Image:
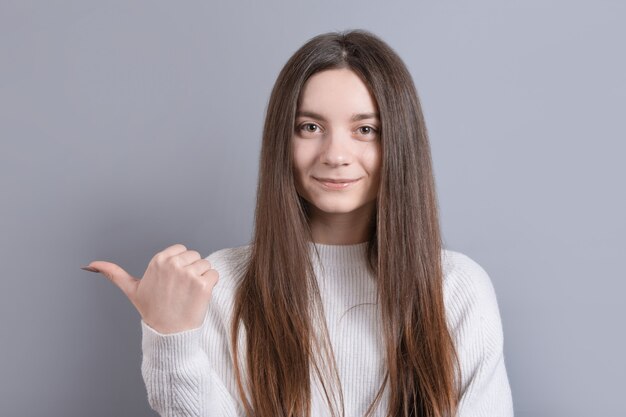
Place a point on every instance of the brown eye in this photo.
(368, 130)
(306, 127)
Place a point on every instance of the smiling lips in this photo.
(336, 183)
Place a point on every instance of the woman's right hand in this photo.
(175, 290)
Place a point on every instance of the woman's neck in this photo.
(341, 228)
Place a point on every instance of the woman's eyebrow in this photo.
(355, 117)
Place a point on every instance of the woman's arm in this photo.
(477, 329)
(179, 377)
(190, 373)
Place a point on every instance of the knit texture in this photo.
(191, 373)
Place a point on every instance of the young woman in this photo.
(344, 302)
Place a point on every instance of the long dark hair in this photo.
(278, 300)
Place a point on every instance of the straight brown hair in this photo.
(277, 300)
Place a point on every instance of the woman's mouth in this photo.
(336, 183)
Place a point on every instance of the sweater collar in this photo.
(337, 255)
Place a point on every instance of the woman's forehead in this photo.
(336, 93)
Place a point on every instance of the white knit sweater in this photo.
(191, 373)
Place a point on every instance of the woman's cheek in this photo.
(372, 157)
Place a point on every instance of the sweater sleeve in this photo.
(179, 369)
(478, 333)
(179, 378)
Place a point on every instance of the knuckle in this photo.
(175, 261)
(159, 258)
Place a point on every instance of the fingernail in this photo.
(89, 268)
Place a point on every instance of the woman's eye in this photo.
(307, 127)
(368, 129)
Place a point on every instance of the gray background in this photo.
(130, 126)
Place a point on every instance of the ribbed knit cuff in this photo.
(170, 351)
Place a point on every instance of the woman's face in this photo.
(336, 143)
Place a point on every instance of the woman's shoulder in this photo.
(230, 255)
(469, 293)
(460, 270)
(230, 263)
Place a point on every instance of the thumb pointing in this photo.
(126, 282)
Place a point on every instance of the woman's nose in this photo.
(336, 149)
